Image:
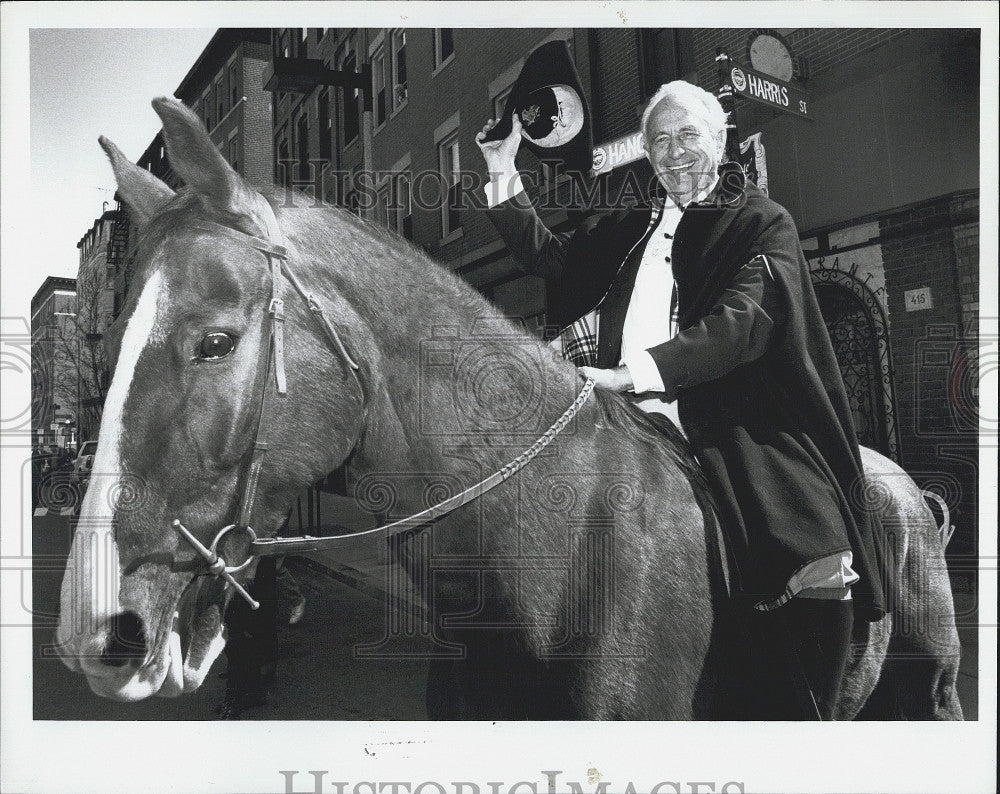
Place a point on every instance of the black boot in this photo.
(821, 633)
(796, 659)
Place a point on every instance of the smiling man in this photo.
(707, 315)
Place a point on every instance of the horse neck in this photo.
(450, 380)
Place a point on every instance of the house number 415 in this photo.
(918, 299)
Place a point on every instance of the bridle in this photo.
(271, 357)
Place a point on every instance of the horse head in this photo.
(138, 615)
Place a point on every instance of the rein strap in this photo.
(267, 547)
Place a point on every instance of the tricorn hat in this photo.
(552, 106)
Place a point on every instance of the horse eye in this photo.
(216, 345)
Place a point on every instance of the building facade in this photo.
(55, 356)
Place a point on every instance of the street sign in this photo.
(769, 91)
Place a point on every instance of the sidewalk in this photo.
(363, 564)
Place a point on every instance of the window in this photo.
(398, 69)
(325, 125)
(220, 99)
(403, 204)
(284, 170)
(284, 49)
(302, 50)
(444, 45)
(450, 170)
(378, 78)
(234, 153)
(382, 208)
(658, 59)
(351, 197)
(352, 117)
(302, 145)
(234, 85)
(500, 100)
(206, 107)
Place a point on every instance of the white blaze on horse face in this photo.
(91, 584)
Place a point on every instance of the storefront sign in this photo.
(627, 149)
(769, 91)
(916, 300)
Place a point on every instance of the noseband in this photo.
(271, 356)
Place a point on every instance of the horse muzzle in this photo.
(119, 663)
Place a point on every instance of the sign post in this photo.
(728, 102)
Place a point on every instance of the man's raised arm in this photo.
(537, 250)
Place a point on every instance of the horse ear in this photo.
(144, 193)
(194, 157)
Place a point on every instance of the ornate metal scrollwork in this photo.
(859, 332)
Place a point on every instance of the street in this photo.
(320, 676)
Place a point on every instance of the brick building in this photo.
(55, 349)
(95, 312)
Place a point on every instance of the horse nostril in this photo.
(126, 640)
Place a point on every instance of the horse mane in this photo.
(662, 433)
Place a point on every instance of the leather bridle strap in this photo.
(271, 355)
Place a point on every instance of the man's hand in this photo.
(617, 379)
(499, 155)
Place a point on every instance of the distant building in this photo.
(55, 356)
(225, 88)
(95, 312)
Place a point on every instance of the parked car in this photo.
(84, 461)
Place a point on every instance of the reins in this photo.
(271, 356)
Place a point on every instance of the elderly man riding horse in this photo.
(705, 301)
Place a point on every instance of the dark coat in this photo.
(759, 389)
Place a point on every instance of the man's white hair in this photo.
(694, 97)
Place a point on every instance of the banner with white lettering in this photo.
(620, 151)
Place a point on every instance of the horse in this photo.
(586, 583)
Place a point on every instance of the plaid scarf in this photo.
(578, 342)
